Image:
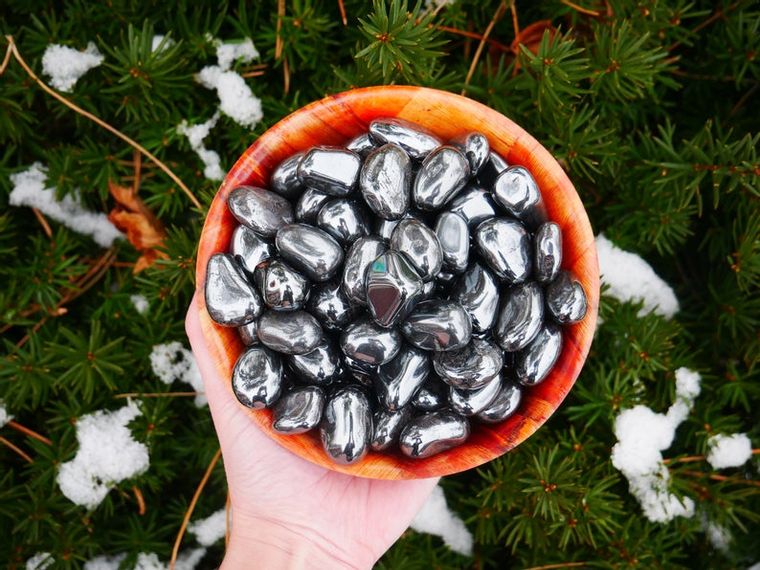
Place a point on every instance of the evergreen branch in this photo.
(13, 424)
(140, 500)
(719, 13)
(474, 63)
(77, 109)
(191, 507)
(693, 458)
(560, 564)
(10, 445)
(722, 478)
(43, 222)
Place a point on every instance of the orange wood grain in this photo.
(335, 120)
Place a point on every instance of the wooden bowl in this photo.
(334, 121)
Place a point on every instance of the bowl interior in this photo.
(335, 120)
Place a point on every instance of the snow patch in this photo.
(64, 65)
(29, 190)
(195, 135)
(630, 278)
(728, 450)
(107, 455)
(207, 531)
(155, 44)
(5, 417)
(140, 303)
(236, 100)
(172, 361)
(40, 561)
(642, 436)
(718, 535)
(436, 518)
(187, 560)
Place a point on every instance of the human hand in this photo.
(287, 512)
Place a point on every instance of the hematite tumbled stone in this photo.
(454, 238)
(420, 245)
(471, 402)
(438, 325)
(504, 405)
(476, 290)
(385, 181)
(505, 245)
(443, 174)
(299, 410)
(320, 366)
(566, 299)
(295, 332)
(257, 377)
(345, 220)
(330, 305)
(431, 396)
(311, 250)
(470, 367)
(369, 343)
(360, 256)
(230, 299)
(249, 249)
(520, 316)
(547, 245)
(285, 180)
(474, 204)
(387, 427)
(261, 210)
(397, 381)
(281, 286)
(393, 288)
(516, 191)
(535, 361)
(309, 205)
(334, 171)
(415, 140)
(433, 433)
(346, 427)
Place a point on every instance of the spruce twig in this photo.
(580, 9)
(558, 565)
(191, 507)
(43, 222)
(496, 17)
(140, 500)
(155, 394)
(342, 9)
(693, 458)
(13, 49)
(13, 424)
(719, 13)
(10, 445)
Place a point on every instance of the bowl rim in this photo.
(335, 119)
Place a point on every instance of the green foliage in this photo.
(650, 107)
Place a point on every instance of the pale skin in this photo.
(287, 512)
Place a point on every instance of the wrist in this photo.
(265, 543)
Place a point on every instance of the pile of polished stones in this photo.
(392, 291)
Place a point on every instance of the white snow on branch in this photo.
(228, 53)
(5, 417)
(718, 535)
(195, 135)
(107, 455)
(65, 65)
(172, 361)
(207, 531)
(186, 560)
(236, 100)
(29, 190)
(642, 436)
(436, 518)
(140, 303)
(40, 561)
(630, 278)
(157, 40)
(728, 450)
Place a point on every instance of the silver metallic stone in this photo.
(257, 377)
(504, 405)
(433, 433)
(520, 316)
(475, 147)
(311, 250)
(474, 204)
(443, 174)
(505, 245)
(387, 427)
(471, 402)
(516, 191)
(299, 410)
(345, 220)
(384, 228)
(420, 245)
(476, 290)
(320, 366)
(285, 180)
(369, 343)
(397, 381)
(248, 333)
(361, 145)
(393, 288)
(261, 210)
(470, 367)
(230, 299)
(332, 170)
(249, 249)
(309, 204)
(360, 256)
(491, 169)
(535, 361)
(281, 286)
(329, 304)
(432, 395)
(454, 238)
(547, 254)
(438, 325)
(295, 332)
(566, 299)
(346, 427)
(385, 181)
(360, 371)
(416, 141)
